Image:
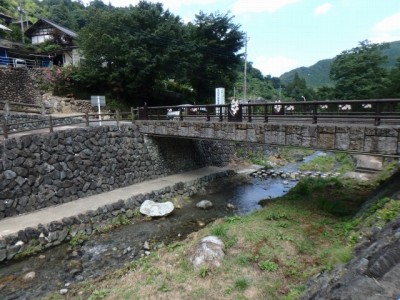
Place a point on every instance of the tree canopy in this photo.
(142, 49)
(358, 73)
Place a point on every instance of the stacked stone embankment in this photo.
(20, 85)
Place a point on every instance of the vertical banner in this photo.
(220, 98)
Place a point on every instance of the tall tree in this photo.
(298, 89)
(359, 73)
(393, 90)
(215, 41)
(129, 50)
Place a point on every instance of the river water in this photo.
(59, 267)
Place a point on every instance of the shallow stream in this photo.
(59, 267)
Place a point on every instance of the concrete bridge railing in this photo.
(382, 140)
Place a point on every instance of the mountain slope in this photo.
(317, 75)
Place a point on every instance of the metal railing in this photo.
(376, 111)
(17, 62)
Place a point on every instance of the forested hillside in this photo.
(317, 75)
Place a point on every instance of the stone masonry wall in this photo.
(43, 170)
(19, 85)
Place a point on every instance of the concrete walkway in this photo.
(44, 216)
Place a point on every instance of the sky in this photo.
(287, 34)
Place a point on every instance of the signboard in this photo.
(220, 96)
(98, 100)
(220, 99)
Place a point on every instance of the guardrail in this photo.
(17, 62)
(50, 122)
(376, 111)
(9, 107)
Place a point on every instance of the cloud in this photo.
(322, 9)
(275, 65)
(259, 6)
(387, 30)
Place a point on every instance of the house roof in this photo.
(2, 27)
(40, 22)
(6, 18)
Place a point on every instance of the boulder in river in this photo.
(156, 209)
(204, 204)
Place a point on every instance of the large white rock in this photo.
(209, 252)
(156, 209)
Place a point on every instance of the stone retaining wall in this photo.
(43, 170)
(19, 85)
(89, 222)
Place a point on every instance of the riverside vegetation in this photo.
(270, 254)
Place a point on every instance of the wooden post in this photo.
(146, 112)
(6, 109)
(87, 119)
(377, 113)
(314, 113)
(117, 117)
(249, 114)
(51, 123)
(266, 113)
(5, 132)
(132, 114)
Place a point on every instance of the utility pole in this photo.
(21, 11)
(245, 69)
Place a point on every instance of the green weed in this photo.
(78, 239)
(242, 284)
(268, 265)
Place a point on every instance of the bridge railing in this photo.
(370, 111)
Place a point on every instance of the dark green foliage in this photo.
(258, 86)
(393, 89)
(213, 41)
(298, 90)
(358, 73)
(315, 76)
(331, 195)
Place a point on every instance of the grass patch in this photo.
(324, 163)
(78, 239)
(32, 248)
